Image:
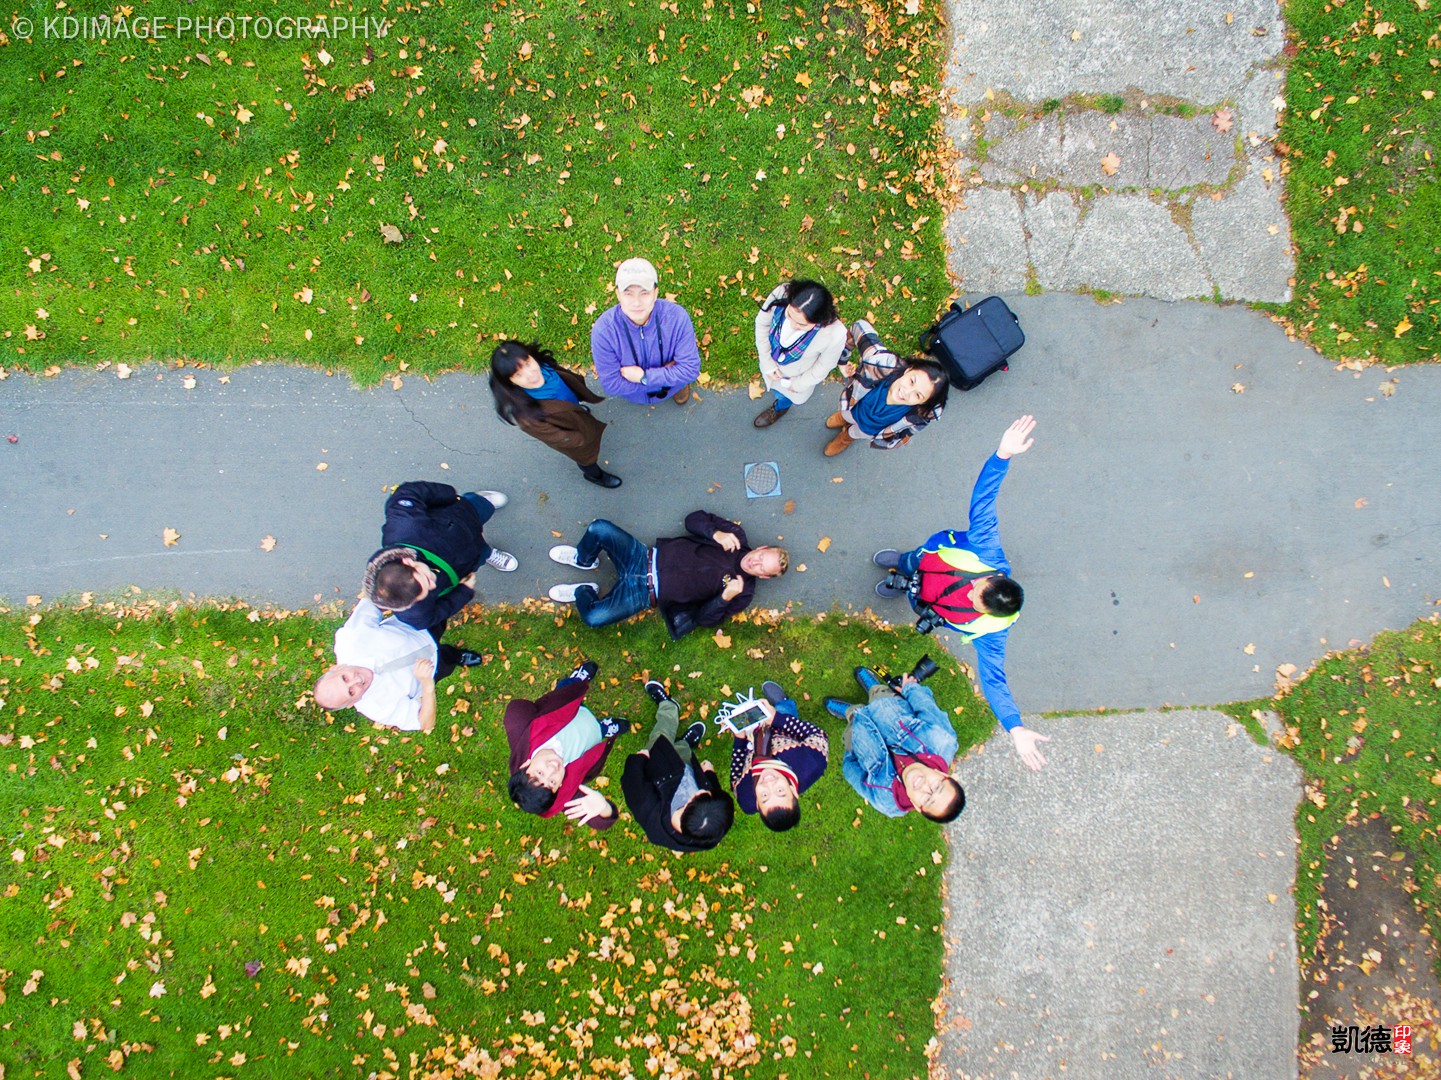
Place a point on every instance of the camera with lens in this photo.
(928, 619)
(924, 669)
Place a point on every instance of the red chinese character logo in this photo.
(1401, 1039)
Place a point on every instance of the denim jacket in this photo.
(910, 724)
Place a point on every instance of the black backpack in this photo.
(972, 343)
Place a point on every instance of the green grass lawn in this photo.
(1362, 132)
(1365, 726)
(175, 813)
(223, 200)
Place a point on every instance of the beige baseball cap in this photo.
(636, 272)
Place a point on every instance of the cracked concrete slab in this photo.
(1129, 244)
(1052, 48)
(1051, 222)
(1244, 240)
(1111, 918)
(988, 243)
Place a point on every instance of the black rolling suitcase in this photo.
(974, 342)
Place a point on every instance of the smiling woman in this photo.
(885, 398)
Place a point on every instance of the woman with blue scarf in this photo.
(800, 339)
(885, 398)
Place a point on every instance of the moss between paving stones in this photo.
(175, 811)
(222, 201)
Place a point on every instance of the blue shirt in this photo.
(554, 388)
(873, 414)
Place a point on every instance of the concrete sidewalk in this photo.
(1204, 502)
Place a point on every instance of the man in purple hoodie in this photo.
(644, 348)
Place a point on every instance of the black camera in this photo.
(928, 620)
(924, 669)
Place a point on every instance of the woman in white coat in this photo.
(800, 339)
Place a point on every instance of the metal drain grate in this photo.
(762, 480)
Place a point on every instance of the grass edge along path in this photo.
(1360, 133)
(204, 877)
(1365, 727)
(221, 202)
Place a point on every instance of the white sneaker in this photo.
(502, 560)
(495, 498)
(565, 594)
(565, 555)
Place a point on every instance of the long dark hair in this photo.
(511, 401)
(941, 384)
(811, 298)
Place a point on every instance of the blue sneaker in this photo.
(867, 678)
(836, 707)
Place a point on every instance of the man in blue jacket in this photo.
(962, 581)
(899, 748)
(644, 348)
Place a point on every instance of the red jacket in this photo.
(528, 724)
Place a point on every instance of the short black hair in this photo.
(707, 816)
(958, 803)
(530, 796)
(1002, 595)
(781, 818)
(395, 586)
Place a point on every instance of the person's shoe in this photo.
(501, 560)
(867, 678)
(835, 421)
(586, 671)
(888, 591)
(836, 707)
(769, 416)
(496, 499)
(694, 734)
(565, 555)
(773, 692)
(613, 727)
(682, 395)
(565, 594)
(655, 689)
(839, 443)
(470, 659)
(887, 558)
(605, 479)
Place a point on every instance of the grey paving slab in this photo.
(988, 242)
(1131, 245)
(1113, 917)
(1051, 223)
(1244, 239)
(1152, 492)
(1051, 48)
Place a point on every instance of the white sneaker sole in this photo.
(566, 556)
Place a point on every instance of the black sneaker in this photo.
(612, 727)
(470, 659)
(694, 734)
(586, 671)
(605, 479)
(892, 586)
(887, 558)
(656, 689)
(773, 692)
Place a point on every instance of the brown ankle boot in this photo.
(839, 443)
(835, 421)
(682, 395)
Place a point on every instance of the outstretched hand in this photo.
(1017, 439)
(1026, 742)
(587, 805)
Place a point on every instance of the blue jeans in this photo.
(782, 402)
(631, 593)
(486, 510)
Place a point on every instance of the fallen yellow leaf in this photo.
(825, 544)
(170, 536)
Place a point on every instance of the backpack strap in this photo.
(440, 564)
